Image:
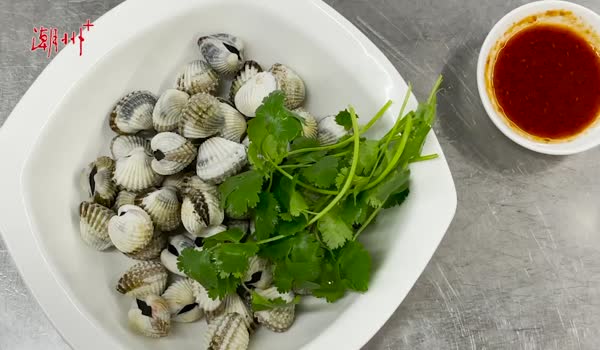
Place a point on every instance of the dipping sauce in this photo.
(546, 80)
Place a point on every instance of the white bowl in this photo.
(582, 142)
(61, 124)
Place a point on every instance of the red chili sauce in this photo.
(547, 81)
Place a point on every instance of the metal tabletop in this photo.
(520, 265)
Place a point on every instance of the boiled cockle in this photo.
(134, 171)
(151, 250)
(280, 318)
(93, 225)
(224, 52)
(123, 198)
(233, 303)
(310, 126)
(234, 123)
(194, 183)
(205, 302)
(204, 234)
(251, 95)
(199, 210)
(248, 70)
(97, 181)
(143, 279)
(172, 153)
(131, 230)
(201, 117)
(259, 274)
(196, 77)
(163, 207)
(219, 159)
(150, 316)
(182, 302)
(133, 113)
(290, 83)
(168, 110)
(330, 131)
(121, 145)
(242, 225)
(169, 256)
(227, 332)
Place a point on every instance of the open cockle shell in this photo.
(201, 117)
(150, 316)
(206, 303)
(169, 256)
(197, 77)
(290, 83)
(163, 207)
(121, 145)
(234, 123)
(259, 274)
(251, 95)
(182, 302)
(93, 225)
(278, 319)
(97, 182)
(219, 159)
(248, 70)
(330, 131)
(133, 113)
(134, 171)
(224, 52)
(199, 210)
(131, 230)
(151, 250)
(172, 153)
(168, 110)
(310, 126)
(142, 279)
(227, 332)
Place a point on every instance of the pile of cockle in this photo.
(168, 158)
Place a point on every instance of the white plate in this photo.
(61, 124)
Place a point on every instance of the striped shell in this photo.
(219, 159)
(234, 123)
(177, 181)
(234, 304)
(133, 113)
(172, 153)
(182, 302)
(290, 83)
(310, 126)
(227, 332)
(251, 95)
(163, 207)
(150, 316)
(330, 131)
(134, 171)
(205, 302)
(201, 117)
(278, 319)
(196, 77)
(224, 52)
(142, 279)
(200, 210)
(194, 183)
(168, 257)
(97, 182)
(123, 198)
(151, 250)
(205, 233)
(168, 110)
(248, 70)
(93, 225)
(131, 230)
(259, 274)
(121, 145)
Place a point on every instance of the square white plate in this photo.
(61, 124)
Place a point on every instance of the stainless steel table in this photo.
(520, 265)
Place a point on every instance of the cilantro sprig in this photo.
(310, 203)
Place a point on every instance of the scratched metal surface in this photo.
(520, 265)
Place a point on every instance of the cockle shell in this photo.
(177, 181)
(121, 145)
(310, 126)
(205, 233)
(219, 159)
(97, 181)
(196, 77)
(151, 250)
(163, 207)
(234, 123)
(199, 210)
(234, 304)
(172, 153)
(168, 110)
(224, 52)
(93, 225)
(201, 117)
(133, 113)
(142, 279)
(278, 319)
(251, 95)
(150, 316)
(134, 171)
(227, 332)
(123, 198)
(194, 183)
(169, 256)
(205, 302)
(248, 70)
(131, 230)
(290, 83)
(330, 131)
(182, 302)
(259, 274)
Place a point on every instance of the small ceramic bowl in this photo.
(549, 12)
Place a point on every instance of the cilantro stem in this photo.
(423, 158)
(268, 240)
(348, 183)
(369, 219)
(294, 166)
(310, 212)
(377, 116)
(300, 183)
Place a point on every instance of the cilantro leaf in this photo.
(395, 182)
(240, 192)
(265, 216)
(343, 118)
(367, 156)
(323, 172)
(332, 288)
(334, 230)
(355, 266)
(232, 258)
(200, 266)
(304, 142)
(290, 199)
(354, 210)
(260, 303)
(396, 199)
(341, 177)
(233, 235)
(288, 228)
